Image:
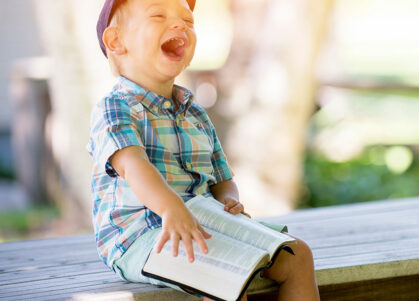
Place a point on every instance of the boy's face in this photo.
(159, 38)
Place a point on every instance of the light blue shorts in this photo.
(129, 266)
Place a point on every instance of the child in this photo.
(154, 149)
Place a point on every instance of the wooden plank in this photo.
(367, 224)
(160, 295)
(377, 270)
(335, 224)
(354, 224)
(349, 238)
(328, 259)
(349, 243)
(72, 270)
(334, 241)
(49, 285)
(361, 259)
(47, 253)
(10, 259)
(357, 209)
(47, 250)
(157, 294)
(362, 217)
(47, 242)
(93, 268)
(71, 289)
(390, 247)
(57, 256)
(389, 289)
(33, 265)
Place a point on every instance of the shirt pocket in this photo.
(202, 148)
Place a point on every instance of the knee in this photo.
(303, 254)
(287, 265)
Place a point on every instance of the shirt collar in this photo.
(156, 103)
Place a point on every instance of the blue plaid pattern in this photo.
(183, 146)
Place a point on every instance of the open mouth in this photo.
(174, 47)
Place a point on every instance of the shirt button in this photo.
(188, 165)
(167, 104)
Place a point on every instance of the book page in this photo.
(210, 213)
(222, 272)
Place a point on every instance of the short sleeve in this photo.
(222, 170)
(112, 128)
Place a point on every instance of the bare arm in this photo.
(150, 187)
(227, 193)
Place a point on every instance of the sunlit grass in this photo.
(365, 178)
(350, 121)
(19, 224)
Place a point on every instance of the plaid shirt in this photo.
(182, 145)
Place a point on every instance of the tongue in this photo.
(173, 48)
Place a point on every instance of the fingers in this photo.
(187, 243)
(187, 232)
(204, 233)
(229, 203)
(233, 206)
(247, 214)
(163, 239)
(197, 236)
(175, 243)
(199, 239)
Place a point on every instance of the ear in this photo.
(112, 40)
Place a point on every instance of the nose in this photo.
(179, 24)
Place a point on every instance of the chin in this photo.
(171, 71)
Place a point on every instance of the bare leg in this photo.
(295, 274)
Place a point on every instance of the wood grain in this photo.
(367, 251)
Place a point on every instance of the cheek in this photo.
(147, 40)
(192, 37)
(192, 41)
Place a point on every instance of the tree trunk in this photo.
(268, 90)
(79, 75)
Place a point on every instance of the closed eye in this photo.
(189, 21)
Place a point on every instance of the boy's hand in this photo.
(179, 224)
(226, 192)
(233, 206)
(133, 165)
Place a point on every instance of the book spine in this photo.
(196, 292)
(258, 270)
(187, 289)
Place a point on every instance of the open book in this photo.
(238, 249)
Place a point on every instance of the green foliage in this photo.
(363, 179)
(6, 173)
(18, 224)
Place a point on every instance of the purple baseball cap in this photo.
(106, 14)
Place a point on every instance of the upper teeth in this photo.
(181, 42)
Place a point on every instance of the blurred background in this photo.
(316, 103)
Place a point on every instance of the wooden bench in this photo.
(366, 251)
